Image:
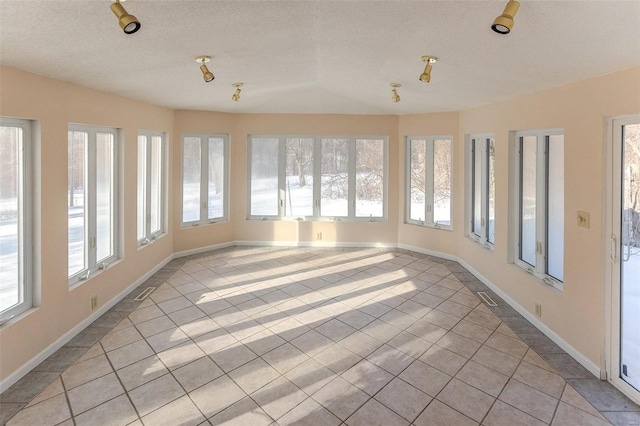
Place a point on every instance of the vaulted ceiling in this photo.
(320, 56)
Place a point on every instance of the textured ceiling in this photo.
(320, 56)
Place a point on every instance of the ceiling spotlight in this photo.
(236, 95)
(394, 93)
(426, 74)
(206, 74)
(504, 22)
(128, 23)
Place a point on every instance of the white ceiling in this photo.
(320, 56)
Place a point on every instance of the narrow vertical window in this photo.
(540, 204)
(92, 200)
(481, 195)
(151, 183)
(429, 172)
(334, 188)
(265, 196)
(205, 170)
(370, 178)
(299, 177)
(15, 205)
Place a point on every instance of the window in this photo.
(92, 200)
(308, 177)
(429, 181)
(205, 171)
(481, 189)
(15, 223)
(151, 186)
(539, 207)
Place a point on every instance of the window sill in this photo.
(544, 280)
(488, 246)
(438, 227)
(18, 317)
(93, 274)
(151, 242)
(320, 219)
(199, 224)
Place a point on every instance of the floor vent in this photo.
(486, 299)
(147, 291)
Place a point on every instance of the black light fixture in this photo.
(128, 23)
(504, 23)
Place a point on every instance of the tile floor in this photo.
(279, 336)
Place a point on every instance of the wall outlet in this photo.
(94, 303)
(319, 236)
(584, 219)
(538, 310)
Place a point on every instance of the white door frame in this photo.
(611, 252)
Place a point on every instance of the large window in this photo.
(151, 186)
(92, 199)
(429, 181)
(481, 189)
(205, 171)
(308, 177)
(15, 223)
(539, 204)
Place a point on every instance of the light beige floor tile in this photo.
(263, 342)
(155, 326)
(199, 327)
(117, 339)
(466, 399)
(335, 330)
(424, 377)
(254, 375)
(484, 319)
(118, 411)
(443, 359)
(483, 378)
(167, 339)
(232, 356)
(458, 344)
(410, 344)
(427, 331)
(215, 341)
(502, 414)
(472, 331)
(540, 379)
(380, 330)
(390, 359)
(289, 329)
(181, 412)
(217, 395)
(439, 414)
(129, 354)
(94, 393)
(399, 319)
(462, 298)
(142, 314)
(155, 394)
(278, 397)
(403, 399)
(310, 376)
(374, 413)
(243, 413)
(197, 373)
(514, 347)
(186, 315)
(570, 415)
(340, 397)
(504, 329)
(55, 388)
(180, 355)
(356, 318)
(496, 360)
(285, 357)
(529, 400)
(86, 371)
(367, 377)
(533, 358)
(309, 413)
(572, 397)
(360, 343)
(312, 343)
(141, 372)
(50, 412)
(337, 359)
(94, 351)
(454, 309)
(175, 304)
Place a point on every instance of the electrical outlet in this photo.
(94, 302)
(538, 310)
(319, 236)
(584, 219)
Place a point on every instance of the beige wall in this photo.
(576, 314)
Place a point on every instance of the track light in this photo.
(504, 22)
(128, 23)
(206, 74)
(236, 95)
(394, 93)
(426, 74)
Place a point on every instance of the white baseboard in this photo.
(35, 361)
(29, 365)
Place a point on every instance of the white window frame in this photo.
(317, 158)
(540, 269)
(479, 144)
(428, 220)
(90, 234)
(25, 230)
(150, 236)
(204, 179)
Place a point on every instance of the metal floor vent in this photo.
(486, 298)
(147, 291)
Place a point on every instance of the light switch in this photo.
(584, 219)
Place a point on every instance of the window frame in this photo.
(204, 179)
(90, 253)
(540, 270)
(25, 227)
(486, 139)
(428, 220)
(151, 236)
(317, 181)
